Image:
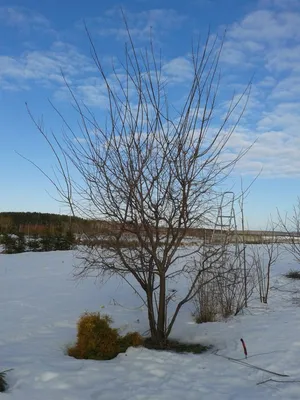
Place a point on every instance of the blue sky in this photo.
(41, 37)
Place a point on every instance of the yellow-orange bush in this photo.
(97, 340)
(131, 339)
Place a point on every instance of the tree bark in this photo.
(161, 318)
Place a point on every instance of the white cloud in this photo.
(157, 21)
(266, 26)
(232, 55)
(267, 42)
(45, 67)
(287, 89)
(266, 82)
(23, 18)
(281, 4)
(284, 59)
(80, 140)
(284, 117)
(277, 147)
(92, 95)
(93, 91)
(178, 70)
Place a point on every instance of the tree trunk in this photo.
(161, 318)
(151, 316)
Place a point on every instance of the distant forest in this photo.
(45, 224)
(35, 222)
(36, 218)
(41, 224)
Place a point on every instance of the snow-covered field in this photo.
(40, 303)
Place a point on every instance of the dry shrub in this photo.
(221, 288)
(131, 339)
(205, 302)
(97, 340)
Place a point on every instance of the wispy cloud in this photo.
(280, 4)
(267, 43)
(80, 140)
(141, 24)
(273, 155)
(44, 67)
(91, 91)
(23, 18)
(267, 26)
(178, 70)
(287, 59)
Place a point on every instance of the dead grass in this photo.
(176, 346)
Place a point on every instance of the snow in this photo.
(40, 303)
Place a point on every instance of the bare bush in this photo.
(263, 257)
(221, 288)
(233, 294)
(290, 225)
(205, 304)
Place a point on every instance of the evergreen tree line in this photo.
(20, 243)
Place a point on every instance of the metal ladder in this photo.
(226, 221)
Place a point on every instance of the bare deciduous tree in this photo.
(152, 171)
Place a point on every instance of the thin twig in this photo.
(275, 380)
